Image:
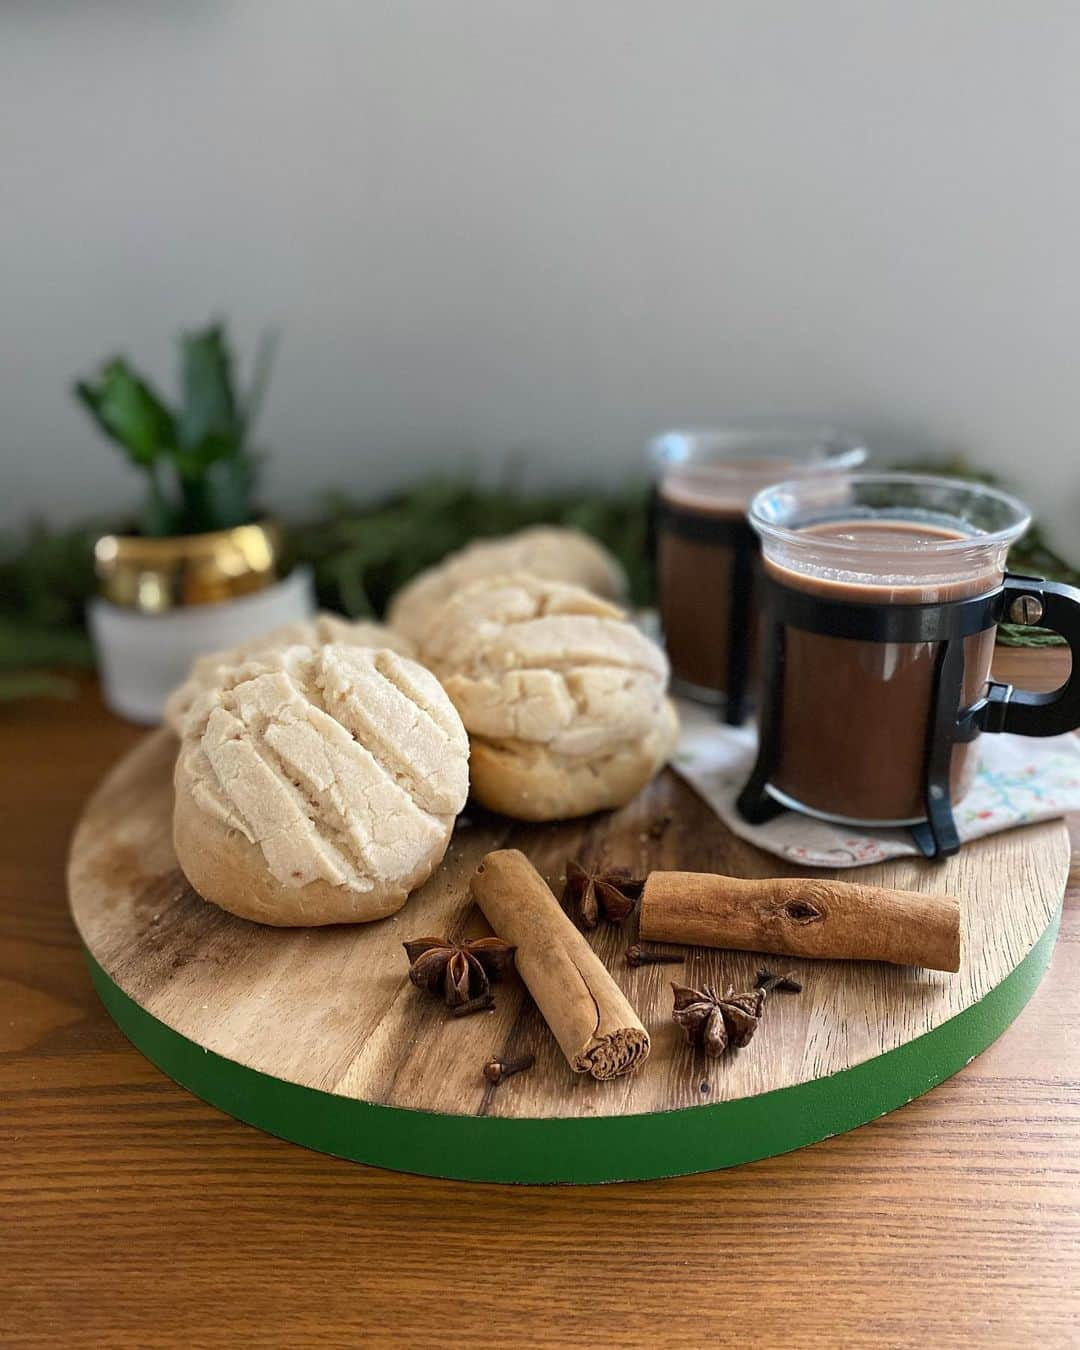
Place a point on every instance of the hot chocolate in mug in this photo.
(882, 594)
(706, 552)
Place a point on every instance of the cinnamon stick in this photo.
(802, 916)
(596, 1028)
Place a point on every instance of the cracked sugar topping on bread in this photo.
(314, 632)
(540, 661)
(564, 701)
(344, 765)
(548, 551)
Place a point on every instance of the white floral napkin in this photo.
(1019, 779)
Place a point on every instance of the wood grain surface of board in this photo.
(333, 1008)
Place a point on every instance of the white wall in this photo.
(549, 228)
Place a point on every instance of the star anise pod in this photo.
(460, 971)
(697, 1011)
(714, 1023)
(611, 894)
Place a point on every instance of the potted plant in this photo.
(201, 570)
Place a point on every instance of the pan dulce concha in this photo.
(564, 701)
(318, 785)
(323, 628)
(547, 551)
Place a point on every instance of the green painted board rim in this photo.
(590, 1149)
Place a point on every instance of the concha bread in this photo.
(318, 785)
(548, 551)
(313, 632)
(564, 701)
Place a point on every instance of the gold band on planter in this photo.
(154, 575)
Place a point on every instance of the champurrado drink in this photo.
(694, 576)
(855, 713)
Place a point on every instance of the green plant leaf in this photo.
(1019, 635)
(46, 576)
(25, 646)
(208, 425)
(219, 496)
(260, 379)
(162, 513)
(35, 684)
(192, 464)
(129, 411)
(190, 488)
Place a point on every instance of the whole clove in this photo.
(495, 1070)
(768, 981)
(637, 955)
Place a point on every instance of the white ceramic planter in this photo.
(143, 657)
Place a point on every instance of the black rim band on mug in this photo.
(1019, 599)
(733, 532)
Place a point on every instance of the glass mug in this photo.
(882, 596)
(706, 553)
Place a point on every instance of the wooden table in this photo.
(134, 1215)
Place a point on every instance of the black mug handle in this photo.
(1048, 604)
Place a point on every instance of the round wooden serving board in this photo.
(318, 1035)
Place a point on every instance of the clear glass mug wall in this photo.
(852, 717)
(706, 553)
